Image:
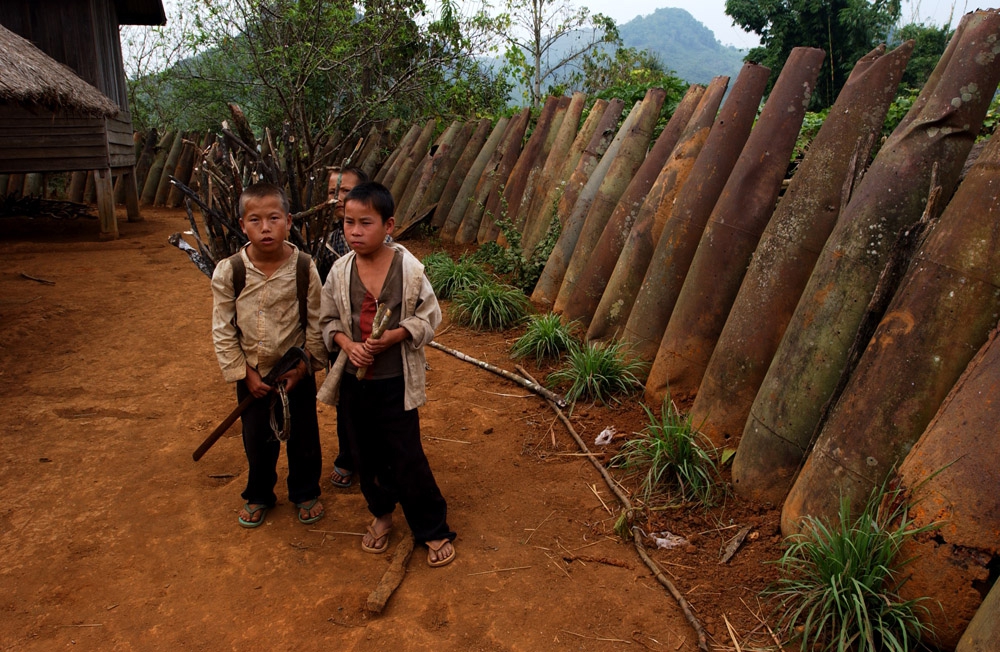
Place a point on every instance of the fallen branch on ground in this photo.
(524, 382)
(392, 578)
(636, 535)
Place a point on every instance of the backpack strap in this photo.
(302, 289)
(239, 274)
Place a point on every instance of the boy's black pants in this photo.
(305, 460)
(389, 457)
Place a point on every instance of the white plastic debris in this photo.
(668, 541)
(605, 437)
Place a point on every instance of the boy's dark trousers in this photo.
(389, 457)
(262, 447)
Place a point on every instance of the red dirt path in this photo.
(113, 539)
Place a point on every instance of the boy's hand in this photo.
(256, 384)
(358, 354)
(394, 336)
(292, 378)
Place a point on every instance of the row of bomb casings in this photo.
(748, 312)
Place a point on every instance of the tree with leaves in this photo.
(846, 29)
(325, 66)
(546, 39)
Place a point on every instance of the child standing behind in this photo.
(256, 318)
(378, 414)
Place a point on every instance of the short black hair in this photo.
(358, 172)
(376, 195)
(260, 190)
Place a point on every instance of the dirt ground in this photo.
(112, 538)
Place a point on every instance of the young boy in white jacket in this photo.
(378, 412)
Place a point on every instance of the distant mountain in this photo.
(684, 45)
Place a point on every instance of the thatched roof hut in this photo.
(63, 98)
(31, 78)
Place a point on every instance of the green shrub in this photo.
(490, 306)
(545, 337)
(448, 277)
(680, 460)
(598, 372)
(839, 584)
(510, 262)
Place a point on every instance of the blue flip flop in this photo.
(307, 507)
(252, 524)
(342, 484)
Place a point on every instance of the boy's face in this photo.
(347, 182)
(265, 223)
(364, 229)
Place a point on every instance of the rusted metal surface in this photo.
(467, 191)
(422, 174)
(791, 243)
(807, 365)
(939, 317)
(518, 200)
(412, 159)
(681, 232)
(469, 153)
(565, 135)
(590, 144)
(623, 284)
(731, 235)
(555, 267)
(494, 174)
(951, 476)
(600, 261)
(615, 182)
(517, 181)
(428, 189)
(983, 633)
(387, 174)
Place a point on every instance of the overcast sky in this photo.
(712, 14)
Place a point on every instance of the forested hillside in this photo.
(683, 44)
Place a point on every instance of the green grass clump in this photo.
(490, 306)
(839, 585)
(448, 277)
(680, 460)
(546, 337)
(599, 372)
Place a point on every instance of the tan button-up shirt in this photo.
(267, 313)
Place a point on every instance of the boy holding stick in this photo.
(377, 408)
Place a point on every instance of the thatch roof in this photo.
(29, 77)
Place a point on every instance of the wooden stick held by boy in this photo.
(379, 324)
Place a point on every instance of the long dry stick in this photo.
(524, 382)
(636, 535)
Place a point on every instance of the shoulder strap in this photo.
(302, 288)
(239, 274)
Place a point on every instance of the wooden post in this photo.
(105, 204)
(77, 183)
(131, 188)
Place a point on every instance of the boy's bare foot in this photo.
(376, 539)
(252, 515)
(440, 552)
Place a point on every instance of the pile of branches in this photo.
(13, 205)
(230, 164)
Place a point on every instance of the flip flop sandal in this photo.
(346, 475)
(260, 521)
(440, 562)
(379, 538)
(307, 507)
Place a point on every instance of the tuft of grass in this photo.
(490, 306)
(680, 460)
(599, 372)
(839, 582)
(448, 277)
(545, 337)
